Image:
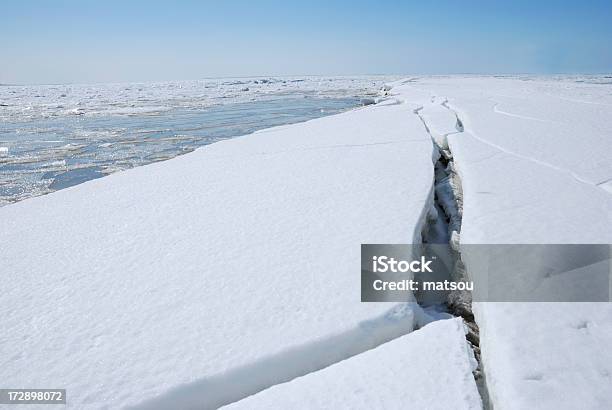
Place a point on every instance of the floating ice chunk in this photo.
(368, 101)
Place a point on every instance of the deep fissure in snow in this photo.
(240, 382)
(444, 227)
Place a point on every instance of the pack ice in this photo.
(532, 155)
(198, 281)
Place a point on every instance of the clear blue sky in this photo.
(84, 41)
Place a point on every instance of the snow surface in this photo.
(535, 168)
(430, 368)
(203, 279)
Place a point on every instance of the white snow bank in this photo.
(206, 278)
(533, 164)
(427, 369)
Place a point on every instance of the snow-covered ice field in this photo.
(204, 279)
